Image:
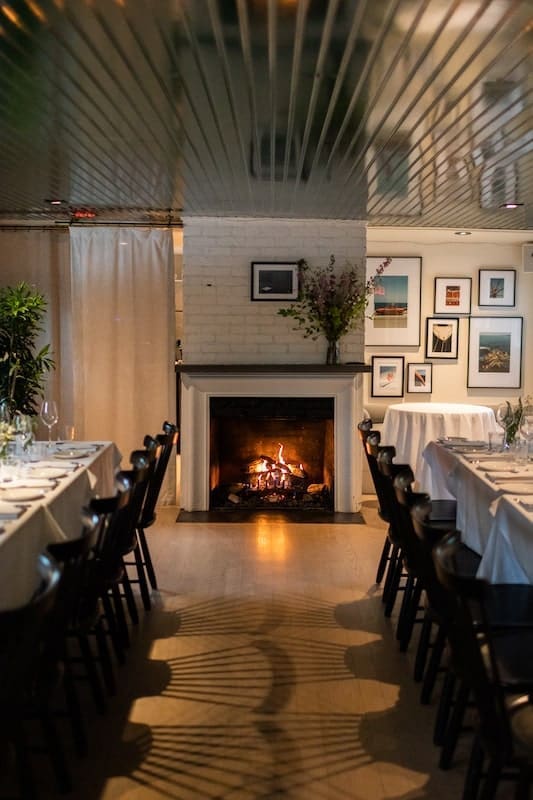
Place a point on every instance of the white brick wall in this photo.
(221, 325)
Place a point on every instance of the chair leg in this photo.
(150, 567)
(411, 611)
(391, 567)
(141, 575)
(492, 779)
(474, 770)
(394, 584)
(423, 647)
(455, 726)
(433, 666)
(113, 628)
(92, 673)
(105, 658)
(130, 599)
(444, 707)
(382, 565)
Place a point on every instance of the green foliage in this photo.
(331, 303)
(22, 369)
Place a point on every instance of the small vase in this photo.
(333, 352)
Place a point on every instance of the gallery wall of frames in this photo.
(449, 323)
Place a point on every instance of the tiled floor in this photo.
(266, 670)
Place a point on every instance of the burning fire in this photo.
(266, 473)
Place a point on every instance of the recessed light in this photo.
(463, 233)
(54, 202)
(511, 205)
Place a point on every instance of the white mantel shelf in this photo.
(325, 369)
(200, 382)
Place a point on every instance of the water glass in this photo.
(496, 441)
(519, 451)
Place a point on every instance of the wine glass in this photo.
(49, 416)
(23, 425)
(526, 426)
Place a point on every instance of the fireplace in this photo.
(271, 453)
(332, 415)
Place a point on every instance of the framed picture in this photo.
(453, 295)
(274, 281)
(495, 352)
(420, 378)
(497, 287)
(387, 376)
(393, 313)
(442, 335)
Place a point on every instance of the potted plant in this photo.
(22, 365)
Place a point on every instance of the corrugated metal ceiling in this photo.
(405, 112)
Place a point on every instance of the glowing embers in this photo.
(273, 482)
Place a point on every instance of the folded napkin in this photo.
(9, 510)
(68, 465)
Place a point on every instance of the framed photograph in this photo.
(442, 336)
(274, 281)
(420, 378)
(495, 352)
(497, 287)
(393, 313)
(387, 376)
(453, 295)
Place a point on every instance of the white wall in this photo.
(221, 324)
(446, 254)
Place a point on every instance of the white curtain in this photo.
(110, 321)
(123, 333)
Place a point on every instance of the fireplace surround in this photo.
(200, 383)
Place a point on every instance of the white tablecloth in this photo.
(51, 518)
(493, 523)
(411, 426)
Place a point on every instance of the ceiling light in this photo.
(54, 202)
(463, 233)
(511, 205)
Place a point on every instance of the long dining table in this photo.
(494, 508)
(41, 502)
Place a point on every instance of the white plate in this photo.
(493, 466)
(19, 495)
(31, 483)
(515, 488)
(74, 454)
(48, 472)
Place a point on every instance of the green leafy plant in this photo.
(331, 303)
(22, 365)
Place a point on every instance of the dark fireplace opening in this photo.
(271, 453)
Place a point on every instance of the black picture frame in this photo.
(387, 376)
(274, 280)
(497, 288)
(419, 378)
(452, 296)
(495, 352)
(442, 337)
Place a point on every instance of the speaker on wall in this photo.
(527, 257)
